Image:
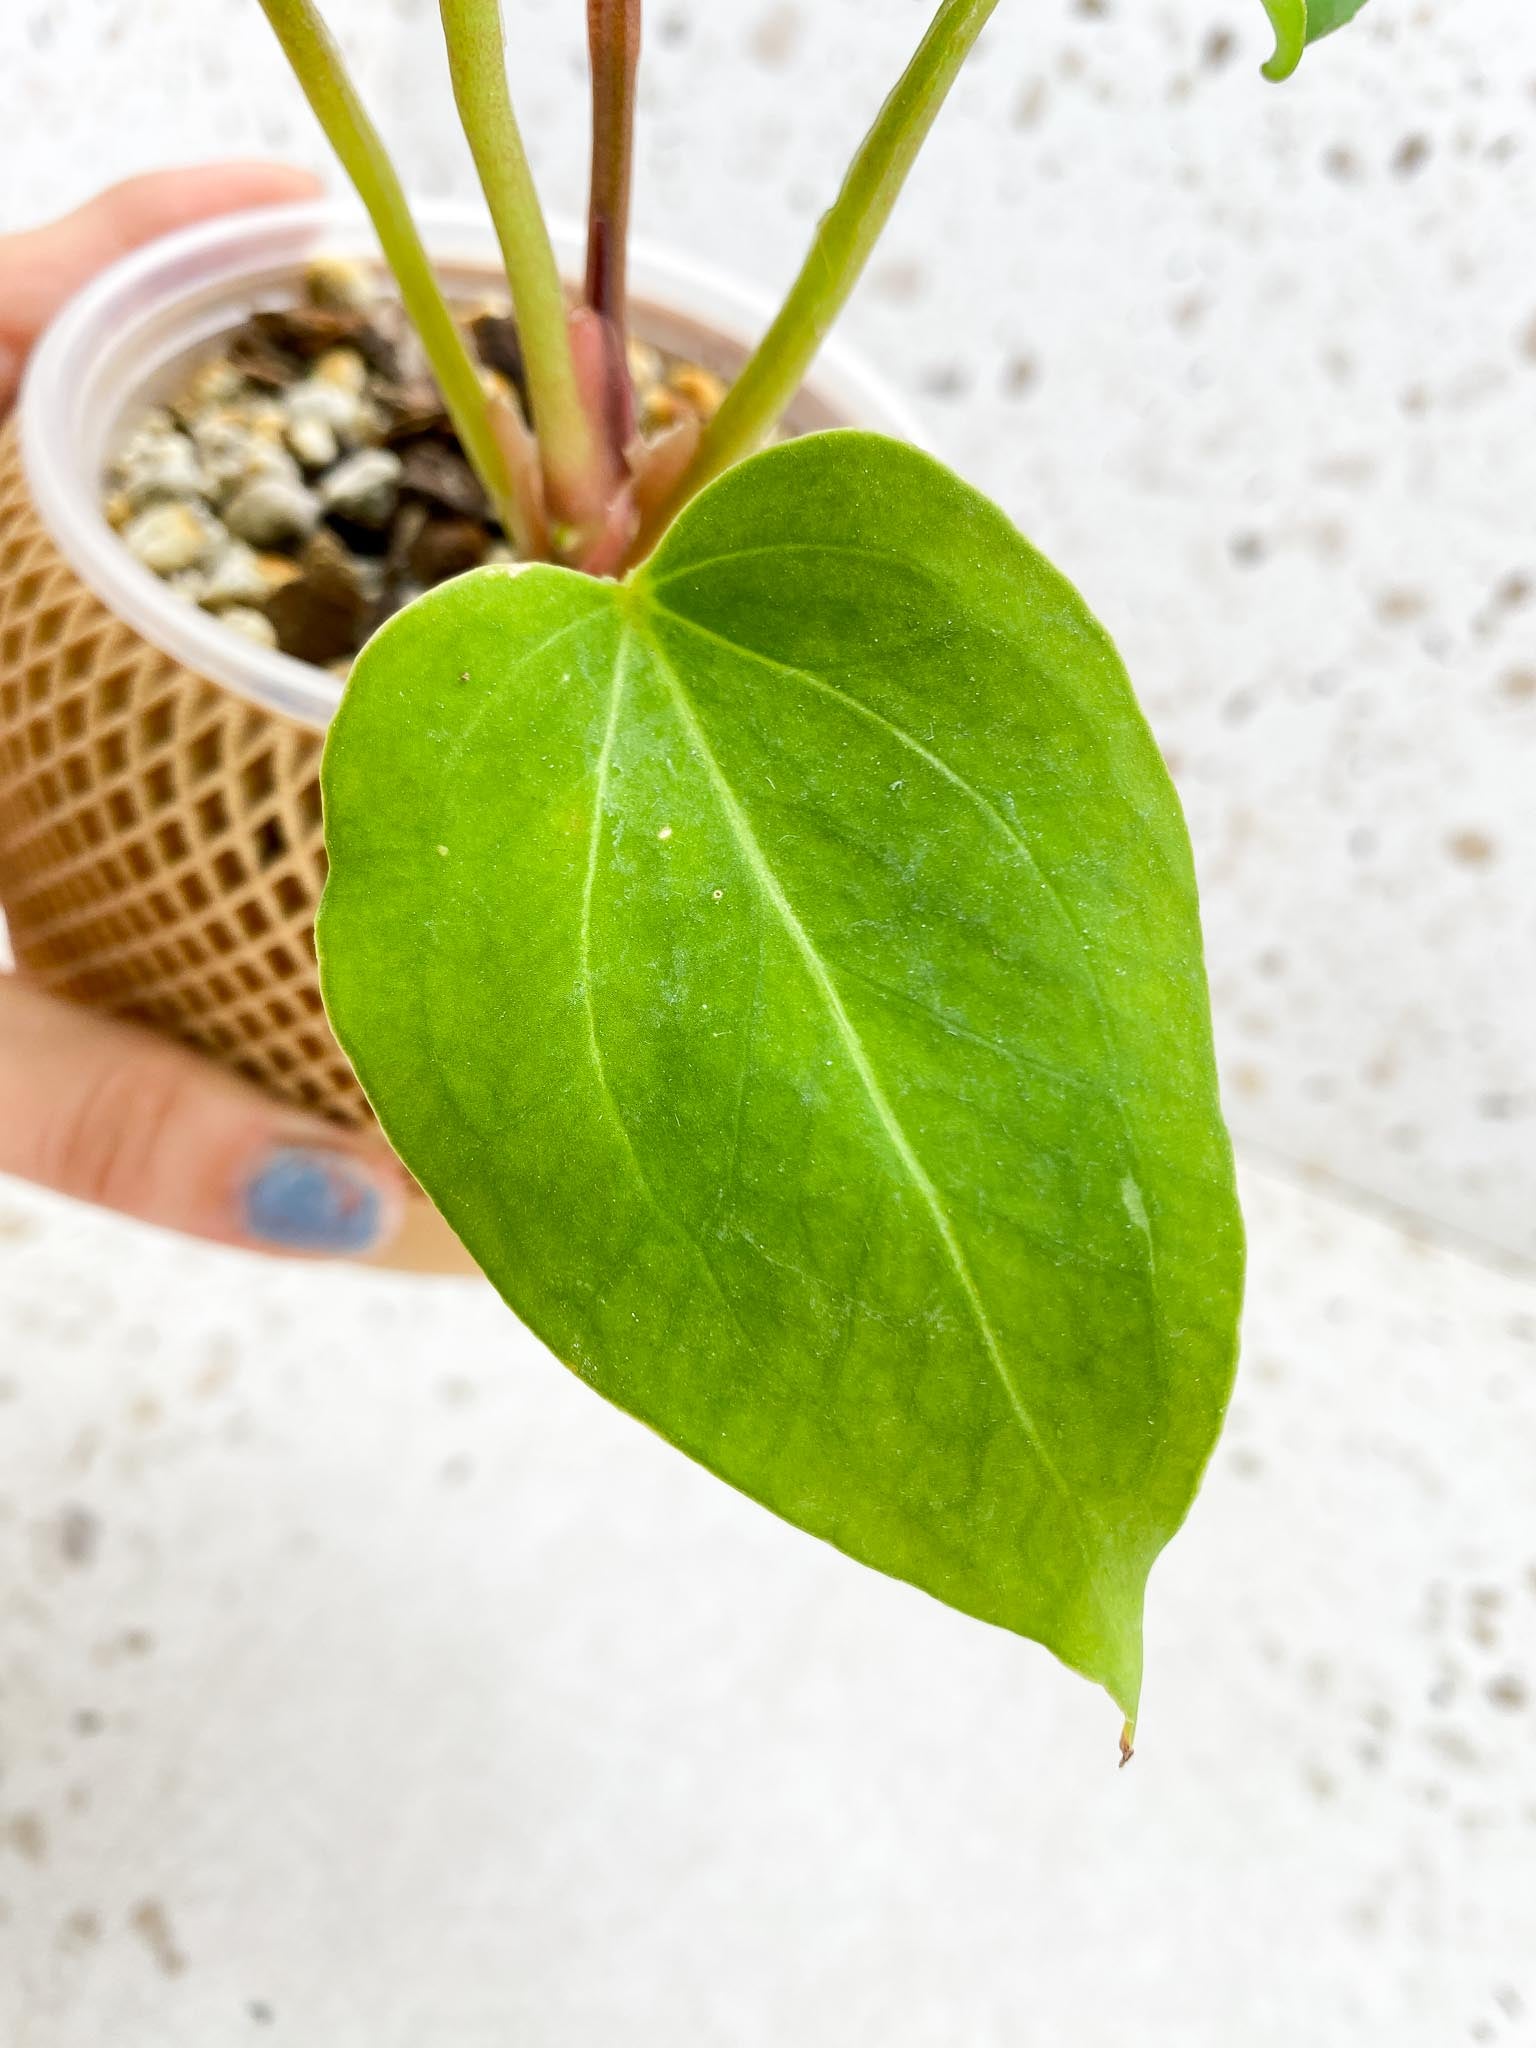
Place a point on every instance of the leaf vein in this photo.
(1010, 833)
(584, 954)
(858, 1057)
(492, 697)
(777, 547)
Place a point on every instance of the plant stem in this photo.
(318, 65)
(477, 58)
(842, 247)
(613, 40)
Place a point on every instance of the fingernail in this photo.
(315, 1201)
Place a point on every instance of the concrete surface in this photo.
(364, 1683)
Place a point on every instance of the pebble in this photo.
(188, 585)
(272, 511)
(340, 285)
(700, 389)
(365, 488)
(232, 577)
(238, 575)
(319, 403)
(313, 440)
(322, 400)
(166, 467)
(645, 365)
(148, 430)
(169, 538)
(661, 407)
(214, 383)
(441, 477)
(499, 348)
(235, 449)
(260, 359)
(277, 572)
(253, 418)
(447, 547)
(392, 345)
(250, 624)
(341, 369)
(324, 613)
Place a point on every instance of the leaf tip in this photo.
(1127, 1743)
(1282, 65)
(1288, 18)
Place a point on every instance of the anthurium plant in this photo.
(762, 921)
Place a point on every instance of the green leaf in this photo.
(784, 972)
(1299, 22)
(1324, 16)
(1289, 21)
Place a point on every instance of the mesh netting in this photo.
(160, 842)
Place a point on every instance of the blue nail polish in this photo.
(313, 1202)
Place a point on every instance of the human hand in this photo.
(102, 1110)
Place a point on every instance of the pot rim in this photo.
(101, 352)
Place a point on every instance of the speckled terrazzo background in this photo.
(361, 1671)
(364, 1684)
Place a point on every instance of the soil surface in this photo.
(303, 481)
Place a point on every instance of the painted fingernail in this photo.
(314, 1201)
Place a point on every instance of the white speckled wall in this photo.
(369, 1684)
(1256, 366)
(364, 1683)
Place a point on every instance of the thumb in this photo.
(114, 1115)
(42, 267)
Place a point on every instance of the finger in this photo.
(115, 1116)
(42, 267)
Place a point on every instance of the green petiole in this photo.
(319, 67)
(843, 244)
(478, 61)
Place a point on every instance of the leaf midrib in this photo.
(983, 803)
(773, 890)
(584, 968)
(1025, 852)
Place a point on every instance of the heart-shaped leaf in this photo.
(1299, 22)
(783, 970)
